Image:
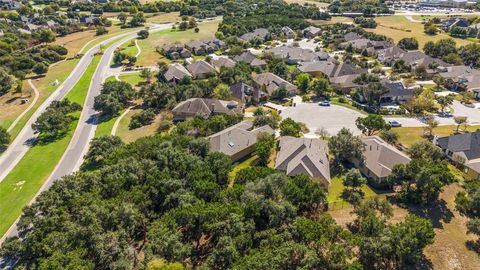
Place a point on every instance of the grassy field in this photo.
(411, 135)
(398, 27)
(10, 111)
(335, 190)
(21, 185)
(133, 79)
(333, 20)
(312, 2)
(104, 128)
(150, 56)
(130, 135)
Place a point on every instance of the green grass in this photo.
(24, 181)
(335, 190)
(132, 79)
(47, 90)
(104, 128)
(110, 79)
(240, 166)
(410, 135)
(80, 90)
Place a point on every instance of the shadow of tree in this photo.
(473, 245)
(437, 212)
(423, 264)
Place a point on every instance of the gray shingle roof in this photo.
(381, 157)
(303, 156)
(272, 82)
(200, 67)
(222, 61)
(206, 107)
(176, 72)
(237, 138)
(468, 143)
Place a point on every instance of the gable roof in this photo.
(261, 33)
(468, 143)
(303, 156)
(207, 107)
(272, 82)
(200, 67)
(222, 61)
(237, 138)
(312, 30)
(331, 69)
(417, 58)
(352, 36)
(381, 157)
(249, 58)
(297, 54)
(395, 89)
(176, 71)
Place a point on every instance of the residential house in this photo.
(206, 107)
(311, 32)
(176, 72)
(351, 36)
(345, 83)
(450, 23)
(463, 149)
(379, 160)
(199, 47)
(330, 69)
(222, 61)
(238, 141)
(462, 78)
(293, 55)
(288, 32)
(304, 156)
(201, 69)
(261, 33)
(215, 43)
(250, 59)
(389, 55)
(175, 51)
(371, 46)
(396, 92)
(269, 82)
(418, 58)
(246, 93)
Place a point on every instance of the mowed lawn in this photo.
(398, 27)
(150, 57)
(410, 135)
(21, 185)
(132, 79)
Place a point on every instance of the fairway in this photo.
(149, 55)
(398, 27)
(24, 181)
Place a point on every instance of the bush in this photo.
(164, 125)
(142, 118)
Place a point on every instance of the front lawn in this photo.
(410, 135)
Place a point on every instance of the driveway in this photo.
(332, 118)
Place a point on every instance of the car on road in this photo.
(324, 103)
(394, 123)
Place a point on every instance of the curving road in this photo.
(85, 130)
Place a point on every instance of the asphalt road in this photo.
(78, 146)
